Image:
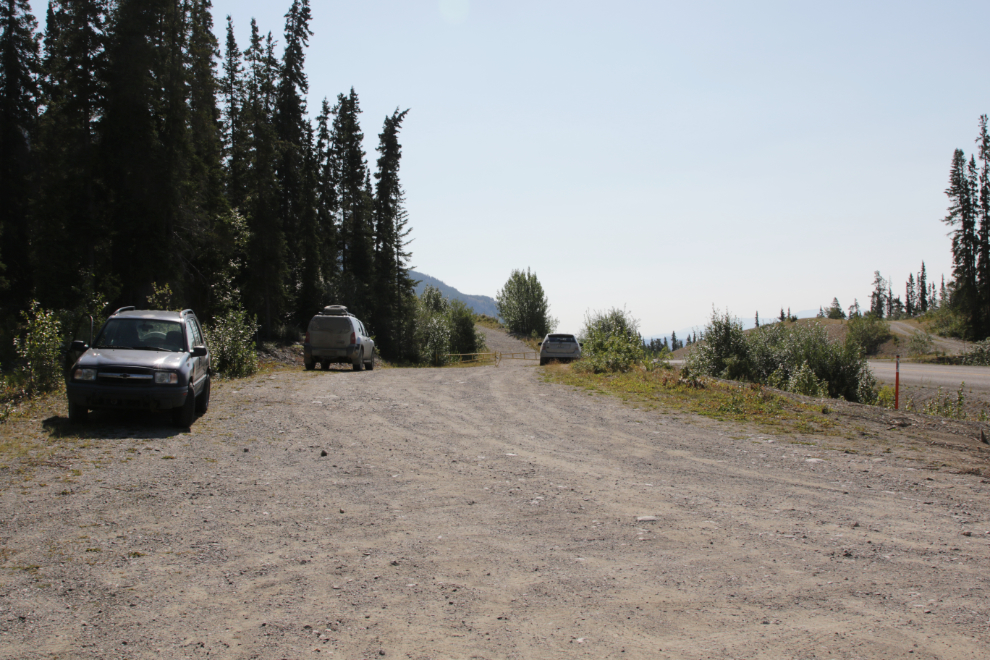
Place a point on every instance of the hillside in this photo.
(480, 304)
(901, 332)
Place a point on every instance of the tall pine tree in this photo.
(19, 68)
(393, 287)
(71, 249)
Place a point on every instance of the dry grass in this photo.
(708, 397)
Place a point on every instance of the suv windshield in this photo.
(143, 334)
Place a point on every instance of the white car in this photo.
(559, 347)
(335, 335)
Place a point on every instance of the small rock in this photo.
(341, 510)
(646, 519)
(323, 452)
(245, 450)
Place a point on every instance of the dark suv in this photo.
(144, 360)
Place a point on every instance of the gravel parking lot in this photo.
(484, 513)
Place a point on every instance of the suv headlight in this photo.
(166, 378)
(84, 374)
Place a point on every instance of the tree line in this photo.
(134, 154)
(969, 218)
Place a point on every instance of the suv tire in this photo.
(309, 364)
(370, 366)
(77, 414)
(359, 365)
(203, 400)
(185, 415)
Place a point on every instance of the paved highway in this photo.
(934, 375)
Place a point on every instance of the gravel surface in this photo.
(481, 513)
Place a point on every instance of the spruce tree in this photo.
(19, 68)
(393, 287)
(267, 273)
(923, 289)
(70, 242)
(327, 207)
(981, 195)
(910, 297)
(878, 298)
(355, 206)
(292, 131)
(962, 217)
(235, 134)
(146, 146)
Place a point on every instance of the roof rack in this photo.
(335, 310)
(184, 312)
(129, 308)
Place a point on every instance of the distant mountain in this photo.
(480, 304)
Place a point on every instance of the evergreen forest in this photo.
(143, 161)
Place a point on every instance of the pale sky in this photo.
(662, 156)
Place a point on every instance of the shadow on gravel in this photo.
(115, 424)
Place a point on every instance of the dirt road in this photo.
(948, 376)
(481, 513)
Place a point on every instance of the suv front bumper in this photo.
(94, 395)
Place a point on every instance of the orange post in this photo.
(897, 384)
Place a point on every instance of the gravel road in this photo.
(480, 513)
(934, 375)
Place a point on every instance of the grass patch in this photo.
(708, 397)
(491, 322)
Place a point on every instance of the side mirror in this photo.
(198, 351)
(78, 346)
(539, 343)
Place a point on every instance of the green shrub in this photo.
(946, 322)
(231, 341)
(978, 354)
(523, 306)
(610, 342)
(40, 349)
(724, 353)
(432, 301)
(804, 381)
(945, 406)
(791, 357)
(464, 338)
(162, 298)
(435, 339)
(868, 332)
(885, 397)
(921, 343)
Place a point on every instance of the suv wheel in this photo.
(309, 364)
(185, 415)
(77, 413)
(203, 400)
(359, 365)
(371, 364)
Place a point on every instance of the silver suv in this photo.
(559, 347)
(336, 335)
(144, 360)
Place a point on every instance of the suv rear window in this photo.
(331, 324)
(562, 338)
(141, 334)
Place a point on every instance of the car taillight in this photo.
(307, 336)
(353, 338)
